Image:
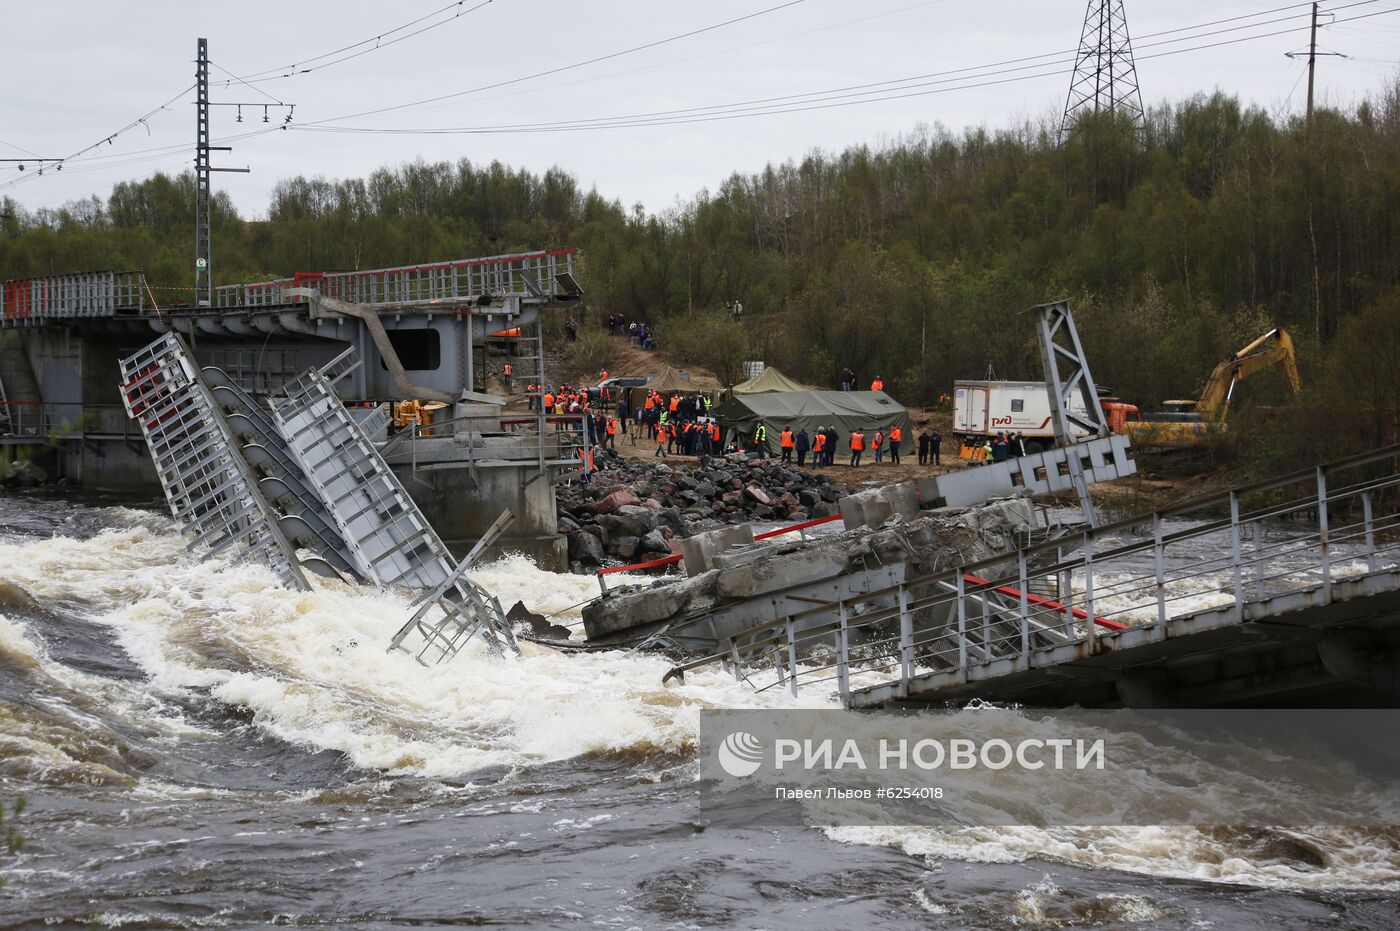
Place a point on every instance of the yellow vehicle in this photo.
(1188, 422)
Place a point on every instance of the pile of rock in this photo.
(633, 510)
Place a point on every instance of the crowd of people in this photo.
(638, 335)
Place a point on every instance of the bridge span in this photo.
(1284, 592)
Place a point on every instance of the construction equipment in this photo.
(1188, 422)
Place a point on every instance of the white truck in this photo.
(982, 409)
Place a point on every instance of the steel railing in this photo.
(25, 301)
(1300, 532)
(44, 421)
(527, 275)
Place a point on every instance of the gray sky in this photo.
(75, 71)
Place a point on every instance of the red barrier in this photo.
(796, 527)
(1046, 603)
(663, 561)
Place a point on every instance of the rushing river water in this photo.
(200, 748)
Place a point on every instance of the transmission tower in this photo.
(1105, 78)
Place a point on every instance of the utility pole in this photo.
(201, 177)
(1313, 56)
(203, 271)
(1312, 62)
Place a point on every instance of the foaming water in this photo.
(183, 712)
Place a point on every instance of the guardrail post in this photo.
(1237, 556)
(1159, 568)
(1091, 632)
(962, 625)
(1322, 535)
(736, 660)
(843, 653)
(906, 636)
(602, 584)
(1367, 523)
(1066, 585)
(792, 658)
(1024, 582)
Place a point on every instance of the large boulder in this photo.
(585, 548)
(634, 520)
(617, 499)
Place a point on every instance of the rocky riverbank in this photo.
(633, 510)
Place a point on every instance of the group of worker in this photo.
(679, 424)
(564, 399)
(1004, 446)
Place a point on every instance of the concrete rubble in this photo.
(743, 574)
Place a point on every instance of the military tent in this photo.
(810, 410)
(770, 379)
(665, 383)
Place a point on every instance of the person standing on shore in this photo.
(935, 443)
(857, 447)
(896, 436)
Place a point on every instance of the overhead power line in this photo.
(578, 64)
(374, 43)
(901, 88)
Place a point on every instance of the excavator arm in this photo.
(1273, 348)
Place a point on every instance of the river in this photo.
(199, 748)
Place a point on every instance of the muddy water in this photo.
(202, 749)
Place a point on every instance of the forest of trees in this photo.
(1177, 244)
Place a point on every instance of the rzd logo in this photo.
(1001, 421)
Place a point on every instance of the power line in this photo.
(295, 68)
(827, 99)
(579, 64)
(772, 106)
(1030, 58)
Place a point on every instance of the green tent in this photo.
(811, 410)
(770, 379)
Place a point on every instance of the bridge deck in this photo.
(1256, 646)
(1286, 590)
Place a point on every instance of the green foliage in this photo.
(1178, 245)
(710, 340)
(587, 355)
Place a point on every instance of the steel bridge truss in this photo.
(301, 485)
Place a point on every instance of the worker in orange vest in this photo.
(506, 373)
(785, 443)
(877, 443)
(878, 384)
(896, 436)
(585, 465)
(612, 432)
(857, 447)
(660, 441)
(675, 402)
(714, 436)
(548, 401)
(818, 449)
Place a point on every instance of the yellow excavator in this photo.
(1188, 422)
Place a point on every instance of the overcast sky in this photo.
(77, 70)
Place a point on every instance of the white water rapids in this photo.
(311, 669)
